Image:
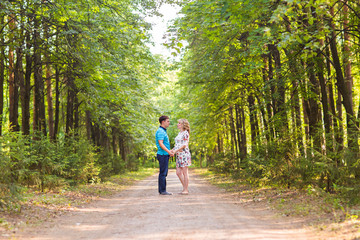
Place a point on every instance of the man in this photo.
(163, 153)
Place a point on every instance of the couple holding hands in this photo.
(181, 150)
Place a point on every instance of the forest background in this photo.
(271, 90)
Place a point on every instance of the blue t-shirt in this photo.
(162, 135)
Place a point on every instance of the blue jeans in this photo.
(164, 165)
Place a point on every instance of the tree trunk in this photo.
(122, 147)
(25, 87)
(347, 53)
(243, 149)
(340, 133)
(57, 91)
(114, 137)
(324, 99)
(49, 96)
(2, 73)
(306, 124)
(353, 134)
(253, 122)
(95, 134)
(280, 108)
(297, 110)
(57, 102)
(313, 109)
(105, 143)
(39, 123)
(70, 108)
(295, 97)
(232, 132)
(267, 123)
(226, 135)
(343, 87)
(218, 143)
(13, 85)
(333, 120)
(76, 114)
(340, 78)
(18, 79)
(238, 129)
(272, 104)
(88, 125)
(263, 119)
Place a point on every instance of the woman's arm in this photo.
(185, 139)
(180, 148)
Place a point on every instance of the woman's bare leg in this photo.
(180, 175)
(185, 173)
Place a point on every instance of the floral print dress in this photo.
(183, 157)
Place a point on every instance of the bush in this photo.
(224, 162)
(37, 161)
(133, 162)
(118, 165)
(80, 160)
(14, 162)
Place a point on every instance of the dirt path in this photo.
(141, 213)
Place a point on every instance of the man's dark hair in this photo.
(163, 118)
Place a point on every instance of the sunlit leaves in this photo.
(228, 41)
(115, 70)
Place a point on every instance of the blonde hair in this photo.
(185, 124)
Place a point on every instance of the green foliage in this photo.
(106, 90)
(225, 163)
(259, 86)
(118, 165)
(80, 160)
(37, 161)
(14, 165)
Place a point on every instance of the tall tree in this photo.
(25, 86)
(13, 80)
(39, 122)
(2, 70)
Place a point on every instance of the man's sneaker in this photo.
(165, 193)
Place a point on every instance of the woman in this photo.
(183, 156)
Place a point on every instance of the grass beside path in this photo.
(37, 207)
(322, 212)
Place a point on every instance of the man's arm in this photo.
(161, 143)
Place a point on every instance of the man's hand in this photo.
(172, 153)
